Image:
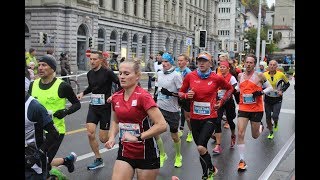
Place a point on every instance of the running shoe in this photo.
(57, 173)
(69, 161)
(212, 173)
(242, 165)
(226, 125)
(163, 159)
(276, 127)
(97, 163)
(180, 132)
(261, 128)
(270, 136)
(216, 150)
(189, 137)
(233, 141)
(178, 161)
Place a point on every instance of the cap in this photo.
(204, 56)
(168, 57)
(50, 60)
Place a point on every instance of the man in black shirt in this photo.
(52, 93)
(100, 81)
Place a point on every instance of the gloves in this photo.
(166, 92)
(61, 113)
(33, 158)
(257, 93)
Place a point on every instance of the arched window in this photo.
(144, 47)
(167, 44)
(181, 46)
(134, 47)
(101, 40)
(113, 41)
(82, 30)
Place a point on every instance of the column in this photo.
(140, 8)
(148, 10)
(161, 4)
(169, 11)
(177, 15)
(107, 4)
(184, 13)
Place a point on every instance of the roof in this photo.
(281, 27)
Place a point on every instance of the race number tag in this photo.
(132, 128)
(248, 99)
(97, 99)
(273, 93)
(202, 108)
(162, 96)
(221, 93)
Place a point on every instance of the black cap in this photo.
(50, 60)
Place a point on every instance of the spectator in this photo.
(31, 57)
(114, 65)
(65, 66)
(150, 68)
(50, 51)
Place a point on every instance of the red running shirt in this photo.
(132, 116)
(202, 103)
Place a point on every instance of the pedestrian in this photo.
(183, 70)
(53, 94)
(150, 68)
(114, 65)
(50, 51)
(202, 86)
(273, 99)
(100, 81)
(31, 57)
(169, 83)
(65, 66)
(137, 149)
(251, 104)
(31, 71)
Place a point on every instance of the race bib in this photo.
(132, 128)
(97, 99)
(202, 108)
(162, 96)
(273, 94)
(248, 99)
(221, 93)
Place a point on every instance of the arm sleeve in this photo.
(89, 88)
(66, 91)
(52, 136)
(268, 87)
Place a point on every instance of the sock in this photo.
(241, 148)
(206, 163)
(177, 147)
(161, 147)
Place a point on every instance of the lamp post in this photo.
(258, 37)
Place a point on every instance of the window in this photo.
(235, 46)
(100, 40)
(101, 3)
(135, 7)
(114, 5)
(145, 9)
(125, 4)
(134, 46)
(190, 24)
(113, 41)
(144, 48)
(173, 11)
(180, 16)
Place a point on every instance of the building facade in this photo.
(134, 28)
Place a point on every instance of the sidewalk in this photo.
(285, 169)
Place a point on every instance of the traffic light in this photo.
(203, 38)
(90, 42)
(270, 34)
(45, 38)
(246, 44)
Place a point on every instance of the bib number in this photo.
(248, 99)
(132, 128)
(202, 108)
(97, 99)
(221, 94)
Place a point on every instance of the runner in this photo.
(229, 108)
(169, 82)
(203, 86)
(100, 83)
(273, 99)
(53, 93)
(251, 104)
(183, 61)
(133, 112)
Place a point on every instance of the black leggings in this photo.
(230, 109)
(52, 151)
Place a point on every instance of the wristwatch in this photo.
(139, 137)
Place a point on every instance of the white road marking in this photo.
(289, 111)
(85, 156)
(268, 171)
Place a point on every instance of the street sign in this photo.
(188, 41)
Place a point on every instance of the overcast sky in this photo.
(270, 2)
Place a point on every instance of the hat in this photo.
(204, 56)
(225, 63)
(264, 64)
(168, 57)
(50, 60)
